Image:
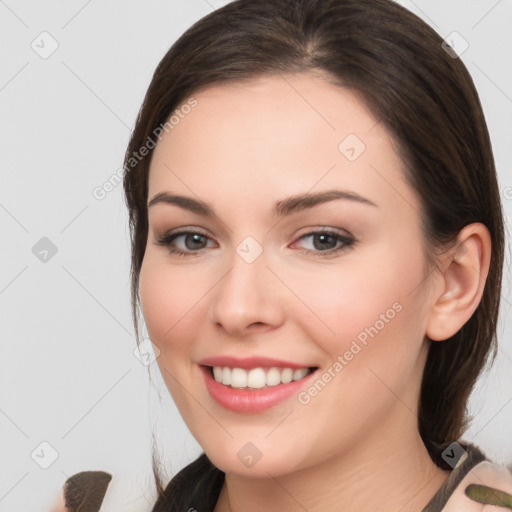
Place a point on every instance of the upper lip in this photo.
(250, 362)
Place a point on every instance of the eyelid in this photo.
(182, 231)
(325, 229)
(167, 237)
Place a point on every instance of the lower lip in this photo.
(243, 400)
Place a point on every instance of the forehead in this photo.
(275, 136)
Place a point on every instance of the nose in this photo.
(247, 299)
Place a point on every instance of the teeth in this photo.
(217, 373)
(238, 378)
(257, 378)
(299, 374)
(286, 375)
(273, 377)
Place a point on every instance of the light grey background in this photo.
(68, 375)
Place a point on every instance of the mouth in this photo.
(257, 378)
(252, 390)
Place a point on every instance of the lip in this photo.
(251, 401)
(250, 362)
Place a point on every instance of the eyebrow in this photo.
(281, 208)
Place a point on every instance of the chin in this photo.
(249, 461)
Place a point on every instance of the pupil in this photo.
(323, 239)
(196, 239)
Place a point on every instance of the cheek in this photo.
(374, 302)
(175, 301)
(372, 355)
(154, 301)
(169, 300)
(165, 298)
(346, 302)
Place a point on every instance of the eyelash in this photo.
(167, 239)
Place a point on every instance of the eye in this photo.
(326, 242)
(193, 241)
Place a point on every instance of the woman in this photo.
(317, 248)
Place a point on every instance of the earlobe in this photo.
(462, 283)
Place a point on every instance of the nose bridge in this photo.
(244, 296)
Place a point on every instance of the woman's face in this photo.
(263, 286)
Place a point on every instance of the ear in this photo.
(464, 273)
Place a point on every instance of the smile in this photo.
(256, 389)
(257, 378)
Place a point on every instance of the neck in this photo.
(392, 471)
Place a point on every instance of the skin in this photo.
(241, 149)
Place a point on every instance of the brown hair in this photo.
(425, 98)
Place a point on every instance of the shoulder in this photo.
(83, 491)
(494, 483)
